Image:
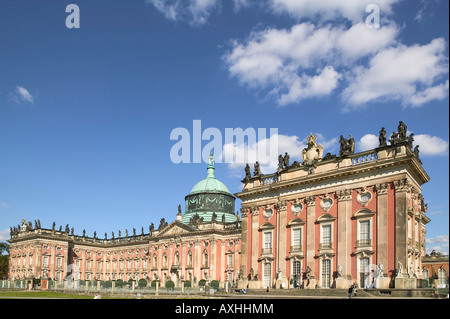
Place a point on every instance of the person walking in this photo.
(350, 292)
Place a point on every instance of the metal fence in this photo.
(107, 287)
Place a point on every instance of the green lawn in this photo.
(41, 294)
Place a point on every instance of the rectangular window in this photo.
(58, 262)
(45, 262)
(364, 228)
(267, 243)
(326, 236)
(230, 260)
(364, 233)
(297, 270)
(296, 239)
(267, 275)
(326, 273)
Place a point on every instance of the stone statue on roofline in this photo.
(257, 171)
(312, 154)
(382, 137)
(248, 174)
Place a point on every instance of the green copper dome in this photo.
(209, 199)
(209, 184)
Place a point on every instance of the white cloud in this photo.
(437, 92)
(269, 162)
(367, 142)
(438, 243)
(408, 74)
(431, 145)
(302, 62)
(240, 4)
(311, 86)
(196, 12)
(21, 94)
(3, 205)
(354, 10)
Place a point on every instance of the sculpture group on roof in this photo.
(313, 152)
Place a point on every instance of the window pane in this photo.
(296, 235)
(364, 228)
(326, 234)
(268, 240)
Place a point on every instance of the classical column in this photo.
(382, 224)
(344, 235)
(402, 192)
(310, 240)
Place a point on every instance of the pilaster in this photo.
(310, 233)
(402, 191)
(382, 223)
(344, 227)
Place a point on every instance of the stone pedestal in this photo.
(382, 283)
(242, 284)
(405, 283)
(310, 283)
(281, 284)
(256, 284)
(343, 283)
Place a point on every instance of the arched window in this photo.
(425, 274)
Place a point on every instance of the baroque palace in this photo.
(327, 222)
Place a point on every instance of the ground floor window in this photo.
(267, 275)
(296, 272)
(363, 271)
(326, 273)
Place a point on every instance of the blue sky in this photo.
(86, 113)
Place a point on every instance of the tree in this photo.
(4, 260)
(4, 266)
(4, 247)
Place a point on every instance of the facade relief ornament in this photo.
(364, 196)
(402, 185)
(326, 202)
(281, 205)
(345, 194)
(382, 189)
(244, 212)
(296, 207)
(311, 200)
(267, 212)
(312, 154)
